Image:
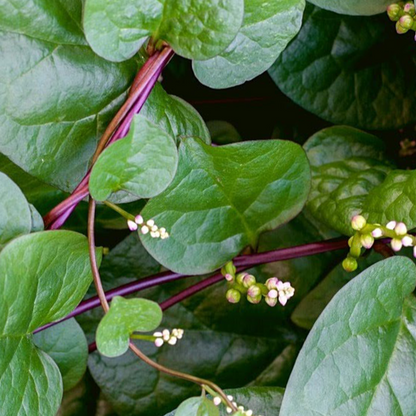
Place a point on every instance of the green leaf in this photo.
(36, 219)
(142, 164)
(223, 132)
(349, 70)
(197, 406)
(43, 276)
(174, 115)
(267, 29)
(15, 212)
(52, 132)
(117, 29)
(264, 401)
(361, 349)
(354, 7)
(347, 164)
(67, 345)
(312, 305)
(124, 317)
(222, 198)
(30, 380)
(394, 199)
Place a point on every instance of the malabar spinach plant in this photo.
(268, 227)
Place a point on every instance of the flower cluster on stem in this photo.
(366, 234)
(244, 284)
(146, 227)
(166, 336)
(218, 401)
(403, 13)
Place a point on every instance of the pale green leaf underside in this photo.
(360, 350)
(339, 68)
(222, 198)
(194, 29)
(142, 164)
(67, 345)
(123, 318)
(267, 29)
(30, 382)
(15, 212)
(353, 7)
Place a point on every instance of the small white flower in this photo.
(286, 291)
(150, 223)
(358, 222)
(139, 219)
(377, 233)
(273, 294)
(157, 334)
(217, 401)
(400, 228)
(230, 398)
(391, 225)
(229, 410)
(173, 340)
(132, 225)
(162, 230)
(249, 413)
(144, 229)
(155, 228)
(407, 241)
(159, 342)
(166, 335)
(155, 234)
(396, 244)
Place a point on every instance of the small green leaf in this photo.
(67, 345)
(15, 212)
(354, 7)
(197, 406)
(361, 349)
(222, 198)
(339, 68)
(267, 29)
(347, 164)
(117, 29)
(223, 132)
(125, 317)
(30, 381)
(142, 164)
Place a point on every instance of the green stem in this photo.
(121, 211)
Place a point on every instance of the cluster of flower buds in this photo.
(366, 234)
(147, 227)
(241, 411)
(246, 284)
(403, 13)
(166, 336)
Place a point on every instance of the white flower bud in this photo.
(271, 301)
(166, 334)
(400, 229)
(407, 241)
(150, 223)
(391, 225)
(144, 229)
(367, 240)
(396, 244)
(358, 222)
(159, 342)
(273, 294)
(173, 341)
(217, 401)
(414, 251)
(377, 233)
(230, 398)
(139, 219)
(132, 225)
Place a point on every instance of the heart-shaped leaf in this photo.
(361, 349)
(142, 164)
(267, 29)
(124, 317)
(350, 70)
(347, 164)
(15, 212)
(222, 198)
(67, 345)
(354, 7)
(117, 29)
(43, 276)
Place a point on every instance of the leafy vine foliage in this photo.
(278, 267)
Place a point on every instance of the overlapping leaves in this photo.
(41, 280)
(222, 198)
(354, 7)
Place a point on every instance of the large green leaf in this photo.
(124, 317)
(222, 198)
(264, 401)
(197, 406)
(30, 382)
(354, 7)
(361, 349)
(267, 29)
(15, 213)
(350, 70)
(43, 276)
(67, 345)
(142, 164)
(199, 30)
(347, 164)
(56, 95)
